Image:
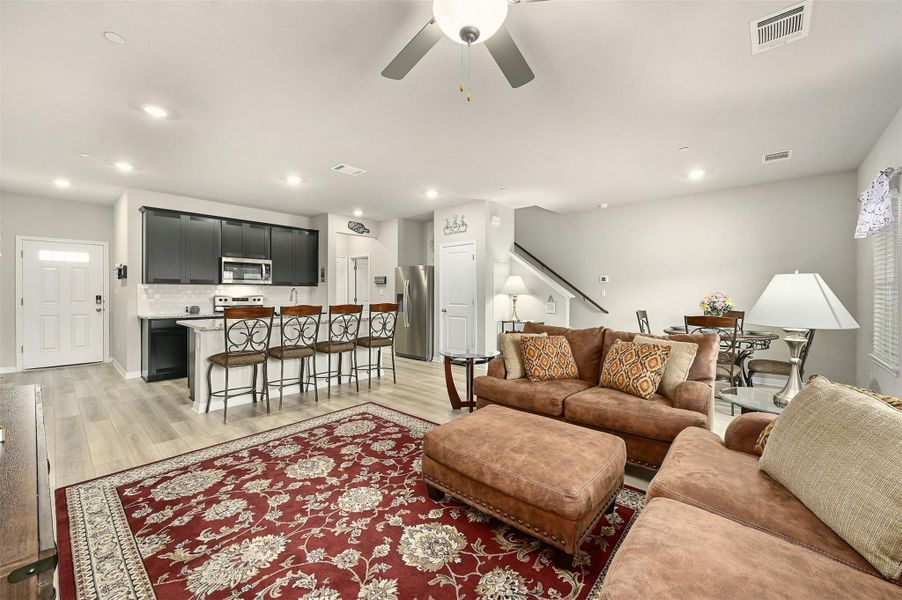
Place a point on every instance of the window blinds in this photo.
(886, 291)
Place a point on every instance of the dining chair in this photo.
(298, 329)
(246, 332)
(344, 327)
(740, 315)
(644, 327)
(728, 330)
(383, 318)
(767, 366)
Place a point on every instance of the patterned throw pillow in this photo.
(633, 368)
(546, 358)
(891, 400)
(513, 355)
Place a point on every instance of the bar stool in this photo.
(246, 332)
(299, 327)
(344, 325)
(381, 335)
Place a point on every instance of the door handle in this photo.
(444, 310)
(98, 310)
(407, 303)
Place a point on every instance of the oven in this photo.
(246, 270)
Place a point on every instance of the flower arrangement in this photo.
(716, 304)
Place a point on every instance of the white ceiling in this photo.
(261, 89)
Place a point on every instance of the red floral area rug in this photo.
(329, 508)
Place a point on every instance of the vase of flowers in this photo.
(716, 304)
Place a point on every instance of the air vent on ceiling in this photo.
(348, 170)
(780, 28)
(776, 156)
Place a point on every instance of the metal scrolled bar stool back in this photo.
(383, 318)
(344, 328)
(298, 330)
(246, 333)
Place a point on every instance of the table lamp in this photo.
(798, 302)
(514, 286)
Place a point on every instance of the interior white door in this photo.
(458, 297)
(62, 303)
(341, 280)
(361, 279)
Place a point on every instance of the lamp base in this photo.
(796, 340)
(514, 316)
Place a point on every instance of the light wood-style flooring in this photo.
(98, 423)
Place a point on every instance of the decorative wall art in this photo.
(456, 224)
(358, 227)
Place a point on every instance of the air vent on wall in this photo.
(780, 28)
(776, 156)
(348, 170)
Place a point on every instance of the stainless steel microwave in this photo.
(246, 270)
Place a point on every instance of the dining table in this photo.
(747, 343)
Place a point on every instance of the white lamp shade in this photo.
(800, 301)
(514, 286)
(485, 15)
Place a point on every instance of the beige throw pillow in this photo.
(678, 363)
(838, 451)
(513, 354)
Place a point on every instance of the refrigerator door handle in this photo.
(407, 302)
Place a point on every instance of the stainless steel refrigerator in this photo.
(414, 295)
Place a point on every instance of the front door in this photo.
(458, 297)
(62, 303)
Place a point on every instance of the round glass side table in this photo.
(751, 399)
(469, 360)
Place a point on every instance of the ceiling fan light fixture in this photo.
(461, 20)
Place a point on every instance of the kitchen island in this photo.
(206, 338)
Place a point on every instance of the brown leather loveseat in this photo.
(647, 426)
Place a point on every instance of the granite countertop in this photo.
(179, 315)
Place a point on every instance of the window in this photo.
(886, 293)
(63, 256)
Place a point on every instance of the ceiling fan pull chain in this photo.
(461, 69)
(469, 98)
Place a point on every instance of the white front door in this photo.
(62, 303)
(458, 297)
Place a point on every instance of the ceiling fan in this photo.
(467, 22)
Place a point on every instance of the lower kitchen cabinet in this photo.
(164, 350)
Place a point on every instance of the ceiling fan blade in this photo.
(506, 53)
(415, 49)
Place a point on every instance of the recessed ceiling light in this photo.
(124, 166)
(293, 180)
(114, 37)
(61, 183)
(602, 206)
(696, 174)
(685, 149)
(432, 194)
(358, 213)
(84, 155)
(157, 112)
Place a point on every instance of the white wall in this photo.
(887, 152)
(663, 256)
(128, 221)
(41, 217)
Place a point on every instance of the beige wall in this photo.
(41, 217)
(663, 256)
(887, 152)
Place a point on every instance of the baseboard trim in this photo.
(125, 374)
(7, 370)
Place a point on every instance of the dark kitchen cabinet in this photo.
(295, 256)
(202, 244)
(164, 350)
(164, 247)
(245, 240)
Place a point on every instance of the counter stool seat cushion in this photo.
(374, 342)
(286, 352)
(237, 359)
(334, 347)
(550, 479)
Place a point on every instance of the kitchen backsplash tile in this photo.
(172, 299)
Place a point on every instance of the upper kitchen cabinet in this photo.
(245, 240)
(180, 248)
(295, 256)
(164, 247)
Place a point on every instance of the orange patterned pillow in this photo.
(634, 369)
(546, 358)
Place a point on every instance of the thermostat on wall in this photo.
(604, 279)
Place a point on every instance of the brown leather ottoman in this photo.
(549, 479)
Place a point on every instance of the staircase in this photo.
(530, 260)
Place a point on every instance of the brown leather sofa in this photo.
(647, 426)
(716, 526)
